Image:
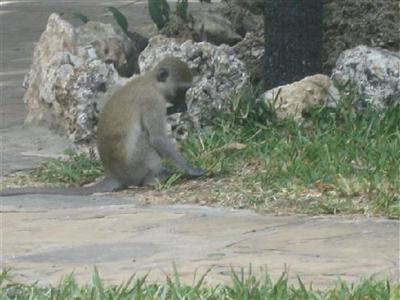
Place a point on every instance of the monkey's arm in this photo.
(164, 147)
(167, 150)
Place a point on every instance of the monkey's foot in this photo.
(108, 185)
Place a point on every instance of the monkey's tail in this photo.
(104, 186)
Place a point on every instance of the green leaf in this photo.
(81, 17)
(159, 11)
(119, 18)
(182, 7)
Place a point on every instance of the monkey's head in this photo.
(174, 79)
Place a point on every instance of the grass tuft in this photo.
(76, 169)
(242, 286)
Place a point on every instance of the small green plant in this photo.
(77, 169)
(169, 182)
(84, 19)
(159, 11)
(244, 109)
(120, 18)
(182, 9)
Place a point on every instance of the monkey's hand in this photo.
(167, 150)
(194, 172)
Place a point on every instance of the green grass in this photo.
(76, 169)
(242, 286)
(335, 161)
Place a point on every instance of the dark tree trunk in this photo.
(293, 40)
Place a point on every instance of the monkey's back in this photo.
(121, 140)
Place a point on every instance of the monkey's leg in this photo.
(155, 171)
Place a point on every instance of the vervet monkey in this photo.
(131, 135)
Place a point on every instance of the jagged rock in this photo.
(70, 89)
(293, 100)
(109, 44)
(374, 72)
(244, 15)
(59, 36)
(147, 30)
(217, 74)
(215, 28)
(202, 26)
(251, 51)
(180, 29)
(255, 6)
(72, 70)
(223, 23)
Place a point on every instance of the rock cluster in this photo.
(75, 70)
(245, 15)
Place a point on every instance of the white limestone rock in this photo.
(292, 100)
(72, 70)
(373, 72)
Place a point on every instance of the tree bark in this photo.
(293, 40)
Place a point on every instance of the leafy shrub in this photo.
(159, 11)
(77, 169)
(182, 9)
(119, 18)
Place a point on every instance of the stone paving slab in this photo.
(45, 238)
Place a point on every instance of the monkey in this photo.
(132, 136)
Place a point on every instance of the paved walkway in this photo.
(43, 238)
(47, 237)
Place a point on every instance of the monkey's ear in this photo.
(162, 74)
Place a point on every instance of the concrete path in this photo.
(43, 238)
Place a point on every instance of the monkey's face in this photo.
(174, 90)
